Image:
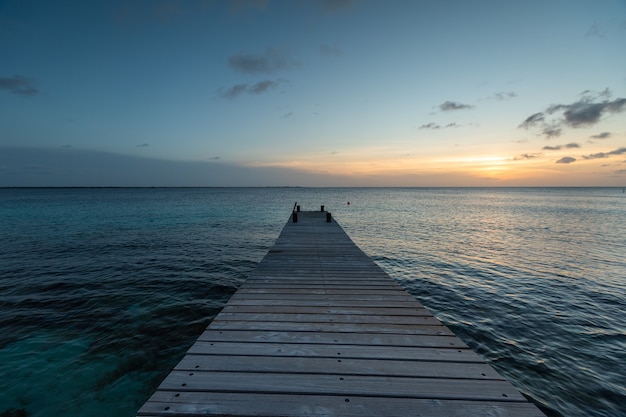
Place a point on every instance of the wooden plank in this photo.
(326, 338)
(408, 303)
(334, 366)
(299, 317)
(219, 324)
(366, 311)
(171, 403)
(389, 299)
(306, 384)
(335, 351)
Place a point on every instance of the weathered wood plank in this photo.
(325, 338)
(365, 311)
(170, 403)
(219, 324)
(325, 303)
(386, 386)
(334, 366)
(389, 299)
(335, 351)
(298, 317)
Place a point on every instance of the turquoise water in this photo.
(103, 290)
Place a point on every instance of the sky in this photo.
(312, 93)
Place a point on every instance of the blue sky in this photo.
(312, 93)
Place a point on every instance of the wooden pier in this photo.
(318, 329)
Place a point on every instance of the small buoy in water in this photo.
(348, 203)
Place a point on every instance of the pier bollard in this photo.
(294, 216)
(298, 208)
(328, 217)
(322, 209)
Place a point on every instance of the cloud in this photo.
(332, 51)
(270, 61)
(453, 105)
(533, 120)
(566, 160)
(552, 132)
(19, 85)
(558, 147)
(603, 135)
(262, 86)
(233, 91)
(287, 115)
(432, 125)
(594, 30)
(585, 112)
(527, 156)
(32, 167)
(256, 88)
(504, 95)
(599, 155)
(143, 145)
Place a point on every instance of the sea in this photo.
(102, 290)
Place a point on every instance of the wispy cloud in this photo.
(559, 147)
(526, 156)
(143, 145)
(18, 85)
(247, 88)
(566, 160)
(287, 115)
(603, 135)
(453, 105)
(504, 95)
(585, 112)
(600, 155)
(332, 51)
(533, 120)
(262, 86)
(594, 30)
(435, 126)
(552, 131)
(267, 62)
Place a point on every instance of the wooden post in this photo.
(298, 208)
(294, 216)
(322, 209)
(328, 217)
